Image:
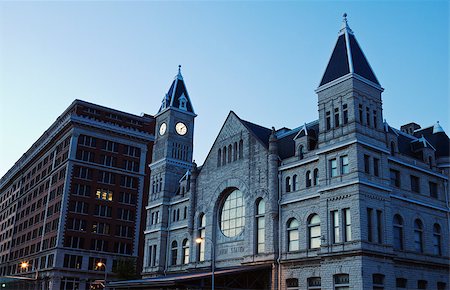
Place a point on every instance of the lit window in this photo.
(201, 234)
(185, 251)
(260, 226)
(314, 231)
(104, 194)
(232, 216)
(293, 239)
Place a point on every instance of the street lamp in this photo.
(199, 241)
(24, 265)
(100, 264)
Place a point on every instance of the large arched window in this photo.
(292, 235)
(308, 178)
(294, 182)
(174, 252)
(288, 184)
(201, 234)
(185, 251)
(398, 232)
(437, 249)
(232, 216)
(260, 225)
(314, 231)
(418, 236)
(316, 176)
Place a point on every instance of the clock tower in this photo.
(171, 160)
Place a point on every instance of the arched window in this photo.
(418, 236)
(392, 148)
(230, 150)
(292, 235)
(314, 231)
(201, 234)
(316, 176)
(398, 232)
(185, 213)
(219, 157)
(174, 252)
(300, 152)
(294, 182)
(241, 149)
(308, 178)
(288, 184)
(235, 151)
(260, 226)
(185, 251)
(224, 157)
(437, 249)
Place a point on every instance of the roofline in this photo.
(346, 77)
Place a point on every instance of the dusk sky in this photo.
(263, 60)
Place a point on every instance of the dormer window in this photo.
(183, 102)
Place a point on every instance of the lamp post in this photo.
(200, 240)
(100, 264)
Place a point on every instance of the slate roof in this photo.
(439, 140)
(262, 133)
(175, 93)
(347, 57)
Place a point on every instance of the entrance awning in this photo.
(191, 278)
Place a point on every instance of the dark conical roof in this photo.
(177, 96)
(347, 57)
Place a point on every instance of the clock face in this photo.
(162, 129)
(181, 128)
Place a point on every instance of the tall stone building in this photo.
(75, 199)
(342, 202)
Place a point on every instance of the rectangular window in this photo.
(72, 261)
(333, 168)
(376, 167)
(369, 225)
(347, 224)
(368, 116)
(367, 164)
(110, 146)
(380, 226)
(401, 282)
(375, 119)
(104, 194)
(345, 113)
(395, 177)
(360, 113)
(336, 117)
(328, 120)
(433, 189)
(335, 225)
(415, 183)
(106, 177)
(344, 164)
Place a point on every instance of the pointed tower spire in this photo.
(177, 97)
(348, 59)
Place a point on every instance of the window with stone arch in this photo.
(300, 152)
(219, 157)
(224, 156)
(260, 225)
(185, 247)
(241, 149)
(398, 232)
(294, 182)
(418, 236)
(314, 231)
(235, 151)
(232, 214)
(288, 184)
(292, 235)
(201, 234)
(174, 253)
(308, 178)
(437, 249)
(316, 176)
(230, 150)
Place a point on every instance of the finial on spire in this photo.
(345, 27)
(179, 76)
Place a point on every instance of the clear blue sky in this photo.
(262, 60)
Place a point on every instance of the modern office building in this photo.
(342, 202)
(75, 199)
